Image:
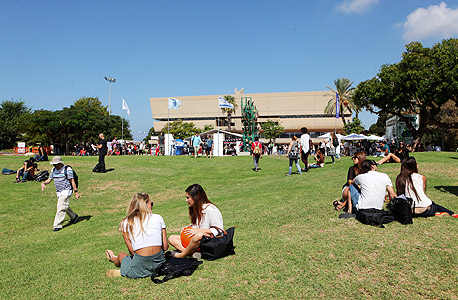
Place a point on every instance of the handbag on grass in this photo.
(219, 246)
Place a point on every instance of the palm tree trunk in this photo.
(228, 122)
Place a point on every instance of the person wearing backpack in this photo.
(256, 149)
(335, 145)
(65, 186)
(413, 185)
(293, 155)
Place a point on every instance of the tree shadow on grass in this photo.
(448, 189)
(80, 219)
(453, 157)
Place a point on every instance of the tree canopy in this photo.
(12, 115)
(343, 87)
(181, 130)
(271, 129)
(421, 83)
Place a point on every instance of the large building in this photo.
(292, 110)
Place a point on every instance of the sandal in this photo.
(338, 205)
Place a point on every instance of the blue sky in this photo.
(54, 52)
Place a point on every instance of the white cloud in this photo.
(356, 6)
(435, 21)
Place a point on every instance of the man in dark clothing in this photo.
(161, 144)
(103, 149)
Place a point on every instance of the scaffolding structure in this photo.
(249, 121)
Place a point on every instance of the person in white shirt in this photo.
(305, 147)
(413, 185)
(146, 239)
(206, 220)
(373, 186)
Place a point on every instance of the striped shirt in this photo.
(60, 181)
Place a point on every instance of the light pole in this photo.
(111, 80)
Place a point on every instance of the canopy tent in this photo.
(374, 138)
(328, 135)
(354, 137)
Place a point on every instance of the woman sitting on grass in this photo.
(319, 158)
(397, 156)
(205, 217)
(27, 171)
(350, 191)
(412, 184)
(145, 237)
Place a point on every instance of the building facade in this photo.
(293, 110)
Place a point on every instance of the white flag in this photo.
(174, 103)
(125, 107)
(224, 103)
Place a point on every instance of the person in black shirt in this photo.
(397, 156)
(103, 149)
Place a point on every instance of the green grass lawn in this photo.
(289, 241)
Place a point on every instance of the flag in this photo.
(223, 103)
(337, 105)
(174, 103)
(125, 107)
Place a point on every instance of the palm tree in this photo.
(345, 91)
(229, 111)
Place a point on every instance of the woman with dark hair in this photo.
(206, 220)
(146, 239)
(397, 156)
(350, 191)
(412, 184)
(319, 158)
(293, 155)
(42, 155)
(27, 171)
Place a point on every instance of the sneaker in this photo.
(74, 220)
(440, 214)
(287, 174)
(56, 229)
(455, 215)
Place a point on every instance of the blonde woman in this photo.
(293, 155)
(146, 239)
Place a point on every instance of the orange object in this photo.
(185, 237)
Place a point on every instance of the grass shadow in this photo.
(80, 219)
(448, 189)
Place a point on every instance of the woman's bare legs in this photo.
(175, 241)
(192, 247)
(115, 259)
(388, 157)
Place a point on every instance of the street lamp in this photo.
(111, 80)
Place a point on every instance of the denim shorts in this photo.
(138, 266)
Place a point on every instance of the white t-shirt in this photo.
(305, 142)
(152, 234)
(211, 216)
(373, 186)
(417, 180)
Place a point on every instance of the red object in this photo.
(185, 237)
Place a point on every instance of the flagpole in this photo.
(122, 124)
(168, 119)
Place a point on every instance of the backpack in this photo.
(374, 217)
(175, 267)
(75, 176)
(335, 142)
(401, 208)
(6, 171)
(257, 148)
(42, 176)
(294, 152)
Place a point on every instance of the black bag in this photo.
(294, 153)
(42, 176)
(335, 142)
(175, 267)
(6, 171)
(219, 246)
(374, 217)
(401, 208)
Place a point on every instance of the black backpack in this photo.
(335, 142)
(374, 217)
(175, 267)
(42, 176)
(401, 208)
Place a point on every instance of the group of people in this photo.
(146, 238)
(366, 188)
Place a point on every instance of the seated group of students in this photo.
(145, 233)
(365, 188)
(30, 167)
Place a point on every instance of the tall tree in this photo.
(229, 111)
(12, 115)
(181, 130)
(420, 83)
(343, 87)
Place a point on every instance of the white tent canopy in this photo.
(374, 138)
(328, 135)
(354, 137)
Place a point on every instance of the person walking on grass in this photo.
(305, 147)
(65, 186)
(293, 155)
(209, 150)
(256, 149)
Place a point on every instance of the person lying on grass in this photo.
(205, 219)
(413, 185)
(146, 239)
(350, 191)
(397, 156)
